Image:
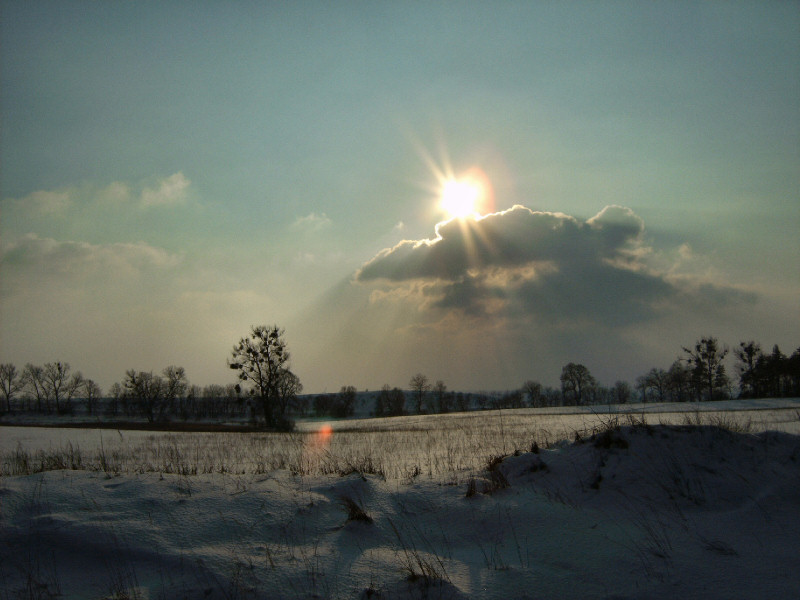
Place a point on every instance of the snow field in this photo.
(628, 508)
(453, 445)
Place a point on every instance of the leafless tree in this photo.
(462, 402)
(748, 355)
(621, 392)
(176, 385)
(10, 383)
(261, 359)
(34, 385)
(656, 380)
(115, 393)
(397, 402)
(289, 388)
(382, 401)
(420, 386)
(93, 393)
(60, 386)
(214, 398)
(679, 382)
(146, 392)
(344, 403)
(443, 401)
(705, 360)
(534, 391)
(576, 381)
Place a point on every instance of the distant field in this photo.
(454, 445)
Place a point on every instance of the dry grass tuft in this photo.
(354, 510)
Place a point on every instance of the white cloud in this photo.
(45, 202)
(170, 191)
(75, 201)
(312, 222)
(33, 262)
(116, 193)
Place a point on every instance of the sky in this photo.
(173, 173)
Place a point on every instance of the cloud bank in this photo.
(66, 270)
(490, 302)
(552, 266)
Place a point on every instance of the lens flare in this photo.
(323, 436)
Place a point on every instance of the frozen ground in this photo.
(639, 510)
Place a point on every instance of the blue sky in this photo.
(173, 173)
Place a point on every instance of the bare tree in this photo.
(261, 360)
(534, 391)
(793, 373)
(10, 383)
(748, 355)
(301, 404)
(215, 398)
(34, 385)
(176, 385)
(576, 380)
(344, 403)
(679, 382)
(60, 386)
(382, 401)
(442, 398)
(289, 388)
(512, 399)
(420, 386)
(146, 391)
(705, 360)
(116, 393)
(482, 400)
(93, 393)
(772, 369)
(396, 403)
(621, 392)
(656, 380)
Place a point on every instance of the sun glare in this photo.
(460, 198)
(465, 194)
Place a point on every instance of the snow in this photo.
(637, 509)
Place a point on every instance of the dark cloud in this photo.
(470, 294)
(547, 265)
(516, 295)
(506, 239)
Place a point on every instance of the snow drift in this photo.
(634, 511)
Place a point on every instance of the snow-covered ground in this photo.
(639, 510)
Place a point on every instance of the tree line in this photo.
(698, 374)
(46, 389)
(269, 393)
(52, 389)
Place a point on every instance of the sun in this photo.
(464, 195)
(460, 198)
